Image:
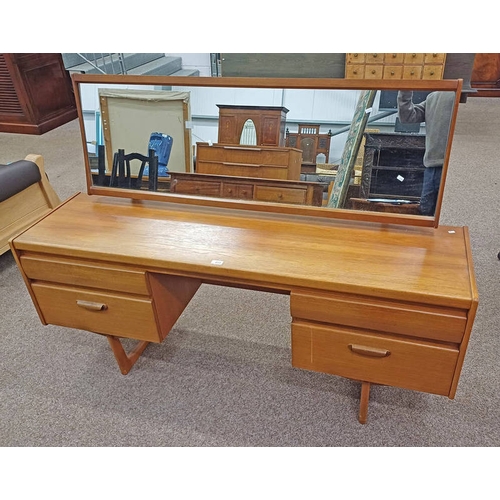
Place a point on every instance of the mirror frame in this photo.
(278, 83)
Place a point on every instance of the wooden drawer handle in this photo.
(369, 351)
(91, 306)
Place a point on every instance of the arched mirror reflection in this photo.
(321, 145)
(248, 134)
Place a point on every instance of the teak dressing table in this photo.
(381, 298)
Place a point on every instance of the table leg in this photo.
(363, 403)
(125, 361)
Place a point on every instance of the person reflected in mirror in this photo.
(435, 111)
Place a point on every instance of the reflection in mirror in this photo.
(385, 152)
(249, 134)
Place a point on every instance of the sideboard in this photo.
(247, 188)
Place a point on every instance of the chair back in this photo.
(123, 177)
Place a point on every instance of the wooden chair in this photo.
(122, 175)
(26, 195)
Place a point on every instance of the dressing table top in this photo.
(266, 251)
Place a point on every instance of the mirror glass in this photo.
(249, 133)
(366, 150)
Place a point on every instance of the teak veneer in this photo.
(379, 303)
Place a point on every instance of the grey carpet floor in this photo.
(223, 378)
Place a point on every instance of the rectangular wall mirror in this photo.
(374, 150)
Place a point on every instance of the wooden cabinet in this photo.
(269, 124)
(248, 161)
(486, 75)
(247, 188)
(35, 93)
(393, 166)
(309, 140)
(395, 66)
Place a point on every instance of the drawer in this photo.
(412, 72)
(242, 170)
(240, 191)
(204, 188)
(432, 72)
(280, 195)
(381, 359)
(397, 58)
(99, 312)
(353, 58)
(355, 71)
(243, 154)
(371, 58)
(82, 273)
(374, 71)
(434, 58)
(433, 323)
(393, 72)
(414, 59)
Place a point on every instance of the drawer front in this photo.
(80, 273)
(355, 71)
(446, 325)
(242, 170)
(374, 58)
(414, 58)
(240, 191)
(203, 188)
(397, 58)
(378, 359)
(242, 154)
(374, 71)
(393, 72)
(354, 58)
(433, 72)
(434, 58)
(107, 313)
(280, 195)
(412, 72)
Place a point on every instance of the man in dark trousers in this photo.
(436, 112)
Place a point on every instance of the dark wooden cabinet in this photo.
(269, 123)
(393, 166)
(35, 93)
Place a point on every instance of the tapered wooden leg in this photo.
(125, 361)
(363, 403)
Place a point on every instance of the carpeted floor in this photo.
(223, 378)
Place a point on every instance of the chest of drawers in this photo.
(249, 161)
(247, 188)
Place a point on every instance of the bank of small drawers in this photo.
(105, 299)
(395, 66)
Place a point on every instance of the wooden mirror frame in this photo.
(272, 83)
